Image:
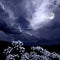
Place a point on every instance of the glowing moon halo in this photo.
(41, 19)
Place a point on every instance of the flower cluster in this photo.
(17, 52)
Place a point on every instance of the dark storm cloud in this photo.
(5, 37)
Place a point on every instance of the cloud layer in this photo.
(40, 12)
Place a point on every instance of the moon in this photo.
(51, 16)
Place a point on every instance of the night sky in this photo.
(48, 35)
